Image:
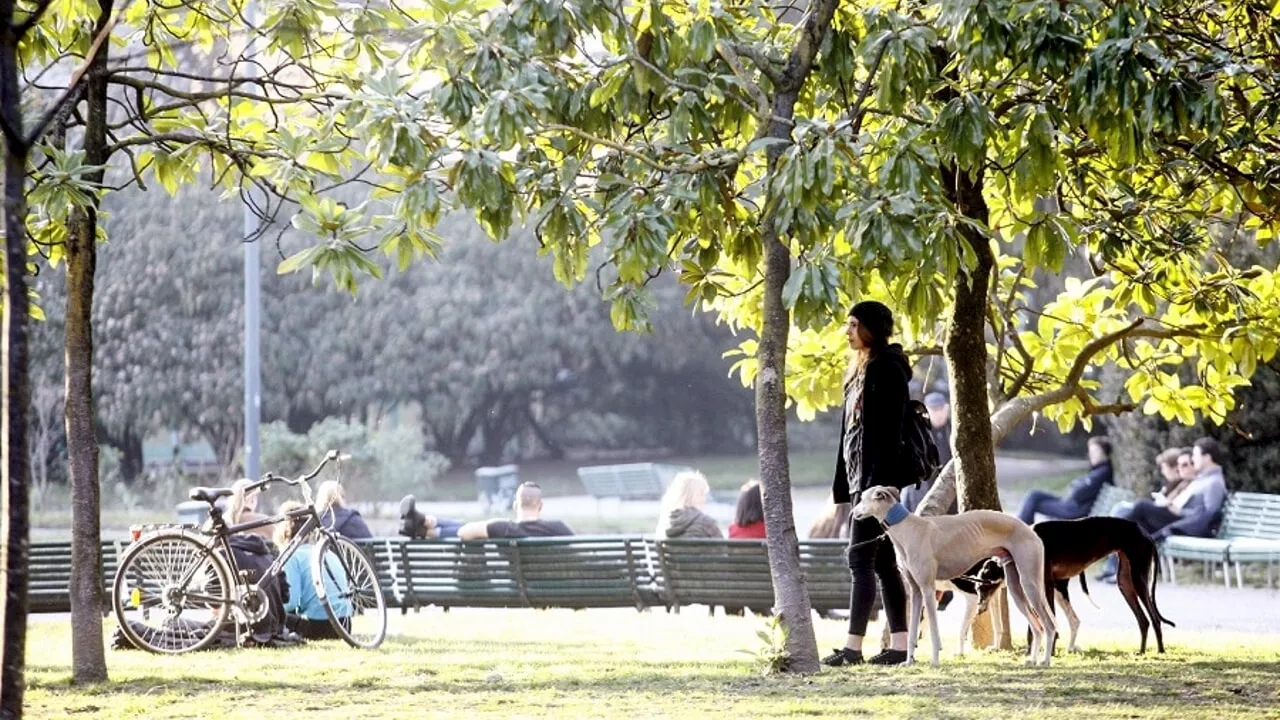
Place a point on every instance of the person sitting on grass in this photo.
(528, 522)
(681, 513)
(1081, 493)
(242, 507)
(331, 506)
(305, 614)
(748, 517)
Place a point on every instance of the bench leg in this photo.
(1226, 574)
(1239, 579)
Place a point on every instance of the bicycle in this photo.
(178, 586)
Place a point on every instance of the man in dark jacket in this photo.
(1080, 494)
(1196, 509)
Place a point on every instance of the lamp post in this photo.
(252, 302)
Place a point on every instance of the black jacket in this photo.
(347, 522)
(884, 403)
(1084, 489)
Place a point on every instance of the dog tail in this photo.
(1155, 560)
(1084, 586)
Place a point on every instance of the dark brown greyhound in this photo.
(1070, 547)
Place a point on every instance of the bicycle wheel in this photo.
(347, 585)
(171, 594)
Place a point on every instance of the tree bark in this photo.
(791, 596)
(88, 661)
(15, 486)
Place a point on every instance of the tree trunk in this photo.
(791, 596)
(88, 661)
(14, 352)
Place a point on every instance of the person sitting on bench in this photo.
(1080, 494)
(1177, 471)
(1193, 511)
(528, 523)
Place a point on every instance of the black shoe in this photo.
(843, 656)
(945, 600)
(412, 522)
(889, 657)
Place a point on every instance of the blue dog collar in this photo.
(897, 513)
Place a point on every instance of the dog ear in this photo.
(894, 493)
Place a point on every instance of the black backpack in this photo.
(919, 457)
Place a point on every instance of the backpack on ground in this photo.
(919, 458)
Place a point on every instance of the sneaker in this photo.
(411, 521)
(843, 656)
(889, 657)
(944, 599)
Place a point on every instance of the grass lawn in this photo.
(557, 664)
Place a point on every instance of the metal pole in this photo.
(252, 305)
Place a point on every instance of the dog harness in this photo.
(897, 513)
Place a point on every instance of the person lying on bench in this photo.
(1080, 494)
(415, 524)
(529, 522)
(1193, 511)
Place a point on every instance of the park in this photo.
(607, 358)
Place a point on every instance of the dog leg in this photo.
(1073, 621)
(1142, 568)
(931, 613)
(1125, 581)
(966, 623)
(1013, 581)
(913, 620)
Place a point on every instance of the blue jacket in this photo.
(1084, 489)
(302, 598)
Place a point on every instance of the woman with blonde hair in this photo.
(242, 507)
(331, 506)
(833, 522)
(305, 614)
(681, 511)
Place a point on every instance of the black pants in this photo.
(1151, 517)
(312, 629)
(867, 563)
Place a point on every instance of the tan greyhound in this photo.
(944, 547)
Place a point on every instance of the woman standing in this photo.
(875, 400)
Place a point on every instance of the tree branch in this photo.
(73, 86)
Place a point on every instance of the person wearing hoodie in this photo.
(331, 506)
(1082, 492)
(876, 393)
(681, 513)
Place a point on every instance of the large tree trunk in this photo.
(88, 661)
(13, 349)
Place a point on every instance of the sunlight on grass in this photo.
(555, 664)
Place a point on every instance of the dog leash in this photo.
(855, 546)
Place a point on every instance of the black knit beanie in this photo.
(876, 318)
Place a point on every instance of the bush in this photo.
(386, 462)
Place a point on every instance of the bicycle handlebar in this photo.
(269, 478)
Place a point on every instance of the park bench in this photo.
(1107, 498)
(633, 481)
(49, 565)
(1249, 533)
(735, 573)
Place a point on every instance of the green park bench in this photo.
(1249, 533)
(633, 481)
(1107, 498)
(49, 588)
(735, 573)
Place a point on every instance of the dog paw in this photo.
(1074, 649)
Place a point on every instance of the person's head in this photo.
(938, 407)
(1099, 450)
(834, 517)
(1206, 454)
(243, 501)
(330, 495)
(286, 529)
(870, 326)
(1186, 465)
(528, 501)
(1168, 462)
(688, 489)
(750, 508)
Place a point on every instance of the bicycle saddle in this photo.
(209, 495)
